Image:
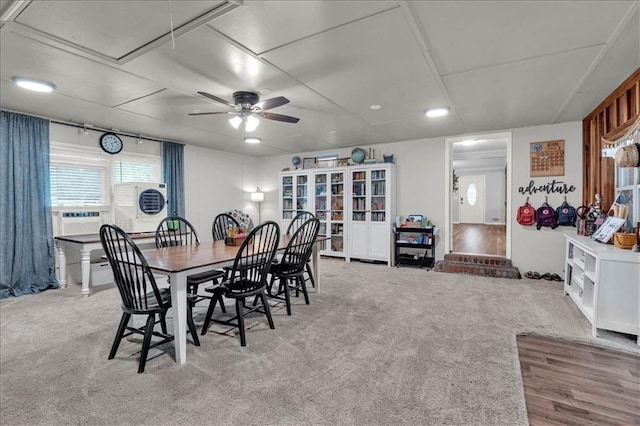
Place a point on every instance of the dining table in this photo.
(179, 262)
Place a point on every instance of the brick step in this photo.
(486, 266)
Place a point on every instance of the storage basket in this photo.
(624, 241)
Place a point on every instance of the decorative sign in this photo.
(553, 187)
(546, 158)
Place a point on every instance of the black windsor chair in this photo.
(295, 223)
(221, 224)
(248, 277)
(139, 293)
(290, 269)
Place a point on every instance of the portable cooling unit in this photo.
(139, 206)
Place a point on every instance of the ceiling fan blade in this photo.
(217, 99)
(211, 113)
(280, 117)
(272, 103)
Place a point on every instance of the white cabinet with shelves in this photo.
(604, 282)
(372, 210)
(355, 206)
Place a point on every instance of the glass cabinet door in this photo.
(287, 197)
(302, 200)
(320, 192)
(378, 196)
(359, 196)
(337, 212)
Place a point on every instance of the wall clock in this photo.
(111, 143)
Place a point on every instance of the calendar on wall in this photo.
(546, 158)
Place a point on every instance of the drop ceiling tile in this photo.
(265, 25)
(517, 94)
(73, 75)
(618, 63)
(373, 61)
(112, 28)
(471, 35)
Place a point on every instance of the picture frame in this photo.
(310, 163)
(607, 229)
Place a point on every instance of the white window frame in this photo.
(96, 156)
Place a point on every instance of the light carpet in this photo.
(377, 345)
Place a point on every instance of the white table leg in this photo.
(86, 271)
(179, 302)
(62, 265)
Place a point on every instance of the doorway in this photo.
(478, 202)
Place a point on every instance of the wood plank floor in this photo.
(568, 383)
(479, 239)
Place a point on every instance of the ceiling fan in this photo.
(247, 108)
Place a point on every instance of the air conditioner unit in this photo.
(139, 206)
(77, 223)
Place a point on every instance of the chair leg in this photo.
(192, 325)
(287, 297)
(148, 332)
(267, 310)
(121, 329)
(163, 322)
(221, 302)
(240, 313)
(303, 284)
(309, 271)
(207, 319)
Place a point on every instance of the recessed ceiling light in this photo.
(35, 85)
(436, 112)
(332, 131)
(375, 107)
(252, 139)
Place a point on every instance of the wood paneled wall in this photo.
(611, 119)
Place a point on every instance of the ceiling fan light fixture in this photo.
(35, 85)
(252, 139)
(251, 123)
(436, 112)
(235, 122)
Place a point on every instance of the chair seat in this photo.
(203, 277)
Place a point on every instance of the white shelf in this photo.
(604, 283)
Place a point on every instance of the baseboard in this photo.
(495, 223)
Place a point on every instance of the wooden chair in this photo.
(290, 269)
(295, 223)
(139, 293)
(178, 231)
(248, 277)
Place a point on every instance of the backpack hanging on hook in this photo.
(566, 214)
(526, 214)
(546, 216)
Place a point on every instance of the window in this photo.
(84, 176)
(472, 194)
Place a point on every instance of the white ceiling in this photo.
(496, 64)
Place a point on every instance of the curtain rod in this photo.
(92, 127)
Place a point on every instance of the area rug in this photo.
(576, 383)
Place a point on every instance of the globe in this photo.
(296, 161)
(358, 155)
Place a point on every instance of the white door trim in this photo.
(448, 170)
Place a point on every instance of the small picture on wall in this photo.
(310, 163)
(546, 158)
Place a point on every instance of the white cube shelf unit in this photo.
(604, 282)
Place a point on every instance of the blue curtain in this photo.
(173, 175)
(27, 262)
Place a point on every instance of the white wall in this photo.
(543, 250)
(216, 182)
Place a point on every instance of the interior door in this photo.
(471, 198)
